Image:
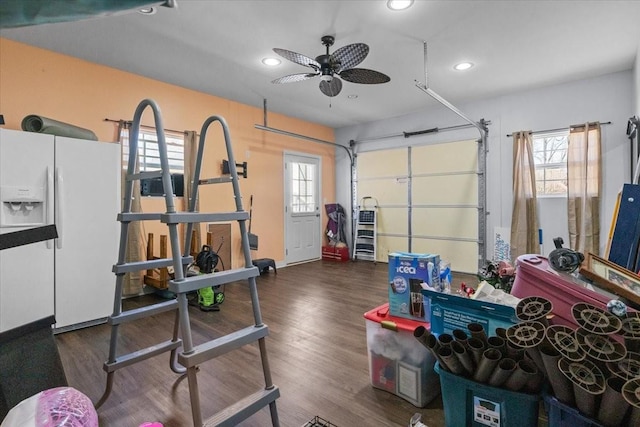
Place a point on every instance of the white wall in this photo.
(607, 98)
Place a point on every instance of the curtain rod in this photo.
(559, 129)
(144, 126)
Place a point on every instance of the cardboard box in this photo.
(407, 273)
(449, 312)
(398, 363)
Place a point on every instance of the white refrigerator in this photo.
(74, 184)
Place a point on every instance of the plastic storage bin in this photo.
(398, 363)
(561, 415)
(535, 277)
(471, 404)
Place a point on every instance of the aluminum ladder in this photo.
(191, 356)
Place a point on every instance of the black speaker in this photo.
(153, 186)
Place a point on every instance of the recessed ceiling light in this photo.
(147, 10)
(352, 96)
(272, 62)
(463, 66)
(399, 4)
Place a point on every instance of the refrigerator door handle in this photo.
(59, 207)
(50, 215)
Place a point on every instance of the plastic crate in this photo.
(561, 415)
(471, 404)
(319, 422)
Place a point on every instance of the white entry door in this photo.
(302, 207)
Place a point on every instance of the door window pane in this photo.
(302, 188)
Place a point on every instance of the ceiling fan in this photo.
(331, 66)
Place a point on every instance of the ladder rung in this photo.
(142, 312)
(144, 175)
(219, 346)
(193, 283)
(218, 180)
(146, 353)
(148, 265)
(364, 247)
(243, 409)
(138, 216)
(197, 217)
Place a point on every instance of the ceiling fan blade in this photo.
(364, 76)
(291, 78)
(331, 88)
(298, 58)
(351, 55)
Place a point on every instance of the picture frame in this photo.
(612, 277)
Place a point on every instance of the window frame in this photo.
(550, 165)
(147, 137)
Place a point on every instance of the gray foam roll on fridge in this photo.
(41, 124)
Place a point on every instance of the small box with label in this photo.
(409, 274)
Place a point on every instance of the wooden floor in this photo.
(317, 351)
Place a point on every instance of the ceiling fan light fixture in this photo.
(352, 96)
(399, 4)
(463, 66)
(340, 63)
(271, 62)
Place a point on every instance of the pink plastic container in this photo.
(535, 277)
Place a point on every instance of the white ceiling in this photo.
(216, 47)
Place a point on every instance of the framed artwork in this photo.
(612, 277)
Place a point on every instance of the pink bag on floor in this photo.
(65, 406)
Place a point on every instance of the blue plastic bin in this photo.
(471, 404)
(561, 415)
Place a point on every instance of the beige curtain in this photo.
(524, 218)
(136, 242)
(584, 165)
(190, 154)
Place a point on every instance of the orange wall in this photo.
(37, 81)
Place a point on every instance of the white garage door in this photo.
(427, 200)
